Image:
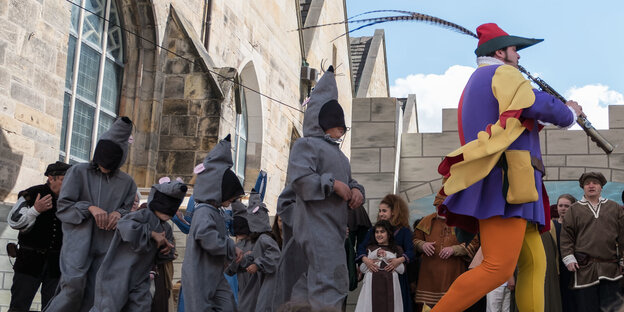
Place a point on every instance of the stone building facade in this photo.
(187, 72)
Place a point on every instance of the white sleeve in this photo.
(22, 217)
(400, 269)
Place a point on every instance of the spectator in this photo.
(592, 230)
(443, 260)
(394, 209)
(40, 237)
(565, 277)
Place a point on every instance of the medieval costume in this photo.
(565, 277)
(590, 236)
(208, 246)
(551, 284)
(123, 282)
(84, 243)
(437, 274)
(495, 179)
(39, 239)
(320, 216)
(381, 291)
(256, 290)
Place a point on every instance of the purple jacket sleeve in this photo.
(549, 109)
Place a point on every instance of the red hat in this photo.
(492, 38)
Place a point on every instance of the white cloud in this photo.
(595, 99)
(433, 92)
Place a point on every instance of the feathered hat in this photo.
(493, 38)
(167, 195)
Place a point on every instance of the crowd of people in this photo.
(87, 241)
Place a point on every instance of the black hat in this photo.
(230, 186)
(592, 175)
(331, 116)
(58, 168)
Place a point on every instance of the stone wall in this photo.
(374, 147)
(566, 154)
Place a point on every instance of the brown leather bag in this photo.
(12, 250)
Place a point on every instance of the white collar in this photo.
(488, 60)
(594, 210)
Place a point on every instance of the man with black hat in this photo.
(39, 240)
(94, 196)
(494, 181)
(592, 230)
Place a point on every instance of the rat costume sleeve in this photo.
(208, 246)
(123, 282)
(320, 216)
(84, 244)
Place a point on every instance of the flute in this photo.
(580, 120)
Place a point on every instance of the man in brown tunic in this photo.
(592, 229)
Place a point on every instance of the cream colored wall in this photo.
(378, 86)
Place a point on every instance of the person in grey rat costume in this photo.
(208, 246)
(317, 172)
(123, 281)
(256, 271)
(93, 198)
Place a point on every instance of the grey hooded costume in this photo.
(208, 246)
(84, 244)
(123, 281)
(320, 215)
(256, 290)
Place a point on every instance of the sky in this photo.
(581, 56)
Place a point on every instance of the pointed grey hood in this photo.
(239, 209)
(324, 91)
(111, 150)
(257, 214)
(210, 173)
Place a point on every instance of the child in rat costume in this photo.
(256, 271)
(93, 198)
(142, 238)
(320, 175)
(208, 246)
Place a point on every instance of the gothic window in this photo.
(93, 77)
(240, 140)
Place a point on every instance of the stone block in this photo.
(408, 185)
(616, 161)
(613, 136)
(35, 118)
(174, 143)
(10, 124)
(40, 53)
(207, 143)
(40, 136)
(25, 13)
(449, 119)
(377, 185)
(177, 163)
(361, 109)
(388, 159)
(570, 173)
(383, 109)
(209, 126)
(177, 66)
(27, 96)
(617, 176)
(165, 123)
(174, 87)
(7, 279)
(20, 144)
(554, 160)
(196, 87)
(183, 125)
(419, 169)
(56, 15)
(560, 142)
(440, 144)
(419, 192)
(175, 107)
(599, 161)
(373, 208)
(605, 172)
(616, 116)
(411, 144)
(552, 174)
(365, 160)
(373, 134)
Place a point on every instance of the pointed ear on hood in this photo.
(324, 91)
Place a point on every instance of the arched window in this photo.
(93, 79)
(240, 138)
